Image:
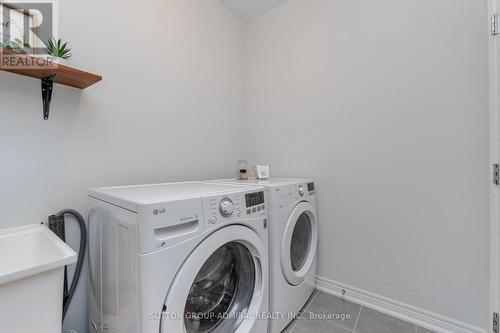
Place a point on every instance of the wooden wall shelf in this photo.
(48, 72)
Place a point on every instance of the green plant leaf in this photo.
(56, 48)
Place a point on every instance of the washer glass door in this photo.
(222, 291)
(221, 287)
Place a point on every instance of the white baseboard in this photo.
(414, 315)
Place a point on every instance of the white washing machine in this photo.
(293, 240)
(178, 258)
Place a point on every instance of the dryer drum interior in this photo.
(301, 242)
(222, 291)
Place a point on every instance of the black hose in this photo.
(81, 255)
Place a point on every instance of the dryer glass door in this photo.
(222, 291)
(298, 247)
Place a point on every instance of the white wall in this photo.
(385, 104)
(168, 109)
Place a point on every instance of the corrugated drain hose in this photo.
(81, 256)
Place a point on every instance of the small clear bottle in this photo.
(242, 170)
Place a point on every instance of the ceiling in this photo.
(248, 10)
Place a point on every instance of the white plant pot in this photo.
(61, 61)
(55, 60)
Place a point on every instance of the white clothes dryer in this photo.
(293, 240)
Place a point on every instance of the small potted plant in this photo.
(58, 51)
(17, 46)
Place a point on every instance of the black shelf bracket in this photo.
(47, 85)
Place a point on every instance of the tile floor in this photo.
(360, 319)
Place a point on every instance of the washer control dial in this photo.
(302, 191)
(226, 207)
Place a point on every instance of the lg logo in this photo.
(159, 211)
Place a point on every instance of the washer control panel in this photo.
(254, 202)
(256, 210)
(220, 209)
(226, 208)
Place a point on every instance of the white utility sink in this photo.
(32, 261)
